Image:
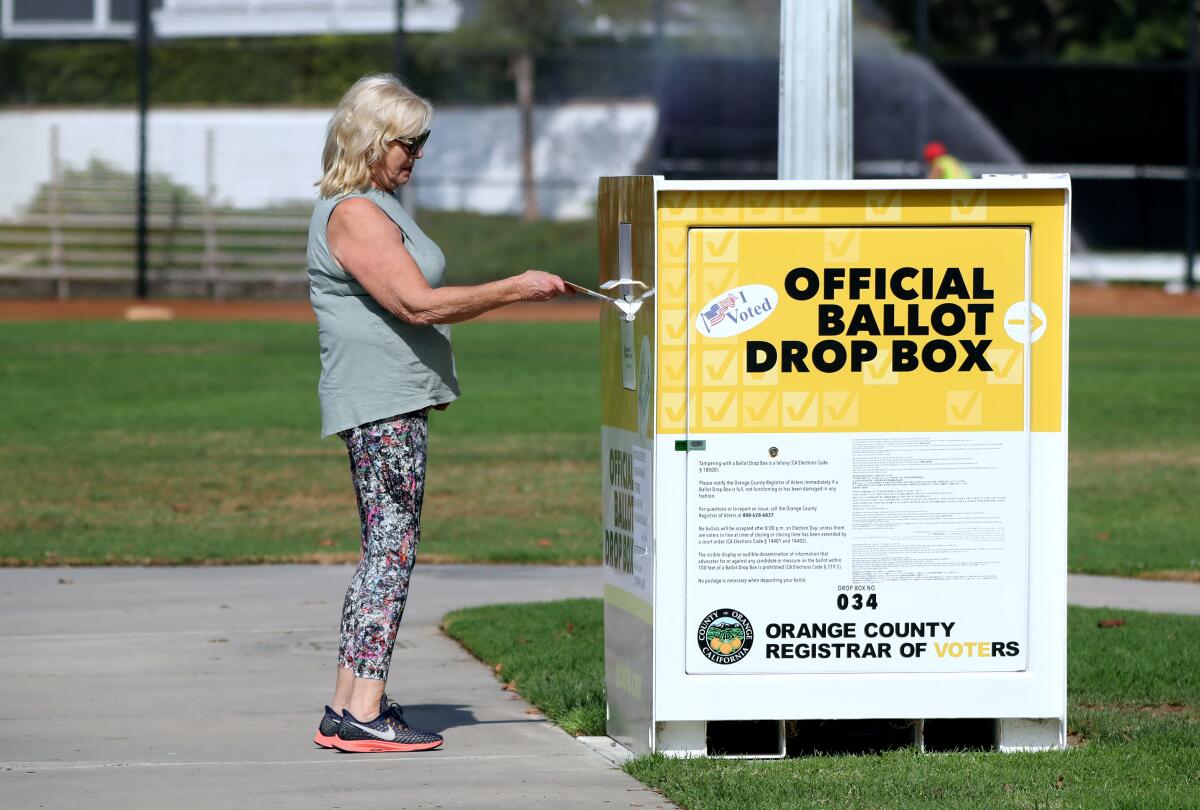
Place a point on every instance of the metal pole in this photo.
(922, 129)
(815, 90)
(57, 264)
(143, 71)
(408, 192)
(658, 61)
(210, 216)
(398, 44)
(1192, 134)
(660, 16)
(523, 73)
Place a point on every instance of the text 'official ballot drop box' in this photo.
(834, 457)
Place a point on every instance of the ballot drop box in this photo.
(834, 451)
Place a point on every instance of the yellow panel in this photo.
(626, 199)
(819, 385)
(725, 259)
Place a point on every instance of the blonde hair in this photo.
(375, 110)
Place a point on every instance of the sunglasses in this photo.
(413, 145)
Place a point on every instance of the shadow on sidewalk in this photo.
(437, 717)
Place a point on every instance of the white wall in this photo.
(239, 18)
(472, 161)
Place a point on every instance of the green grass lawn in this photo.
(1134, 694)
(1135, 445)
(550, 652)
(190, 442)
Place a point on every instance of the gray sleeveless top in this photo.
(374, 365)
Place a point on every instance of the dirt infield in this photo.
(1116, 299)
(202, 310)
(1086, 299)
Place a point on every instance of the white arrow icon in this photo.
(1020, 320)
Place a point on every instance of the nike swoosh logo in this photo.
(389, 737)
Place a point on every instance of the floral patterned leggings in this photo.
(387, 464)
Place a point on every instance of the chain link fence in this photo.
(231, 183)
(236, 128)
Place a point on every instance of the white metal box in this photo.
(835, 454)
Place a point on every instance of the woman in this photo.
(376, 286)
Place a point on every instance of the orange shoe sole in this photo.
(379, 746)
(323, 741)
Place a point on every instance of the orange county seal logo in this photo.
(725, 636)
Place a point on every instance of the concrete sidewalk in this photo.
(1134, 594)
(202, 687)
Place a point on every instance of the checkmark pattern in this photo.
(760, 409)
(839, 409)
(883, 206)
(718, 409)
(673, 367)
(679, 206)
(673, 411)
(1008, 366)
(674, 286)
(714, 253)
(879, 371)
(716, 279)
(672, 326)
(672, 251)
(718, 367)
(761, 206)
(759, 379)
(964, 408)
(969, 205)
(801, 207)
(721, 206)
(677, 211)
(704, 227)
(718, 245)
(842, 246)
(801, 409)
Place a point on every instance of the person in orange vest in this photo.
(943, 165)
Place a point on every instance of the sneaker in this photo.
(387, 732)
(330, 722)
(328, 728)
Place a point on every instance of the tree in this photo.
(524, 30)
(1071, 30)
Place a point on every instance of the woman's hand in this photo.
(534, 285)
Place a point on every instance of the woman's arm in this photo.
(369, 246)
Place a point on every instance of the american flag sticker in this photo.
(736, 310)
(716, 313)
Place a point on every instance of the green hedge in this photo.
(300, 71)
